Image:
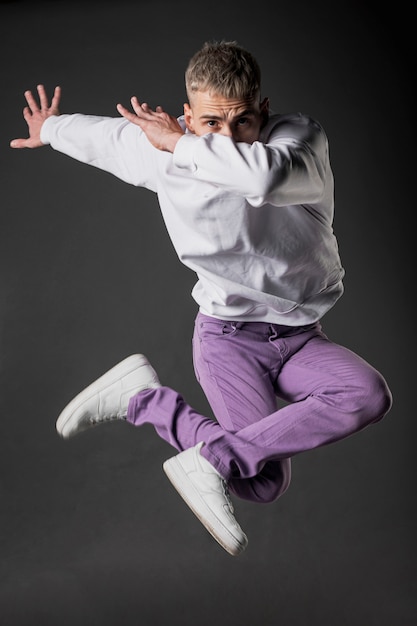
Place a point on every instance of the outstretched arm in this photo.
(161, 129)
(35, 116)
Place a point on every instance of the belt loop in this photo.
(272, 334)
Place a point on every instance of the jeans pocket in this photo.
(208, 330)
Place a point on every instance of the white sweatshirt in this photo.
(253, 221)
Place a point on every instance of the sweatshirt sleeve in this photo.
(289, 166)
(110, 144)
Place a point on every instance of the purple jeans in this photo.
(243, 367)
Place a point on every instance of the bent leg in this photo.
(233, 366)
(333, 394)
(240, 390)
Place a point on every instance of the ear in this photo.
(264, 108)
(188, 117)
(265, 105)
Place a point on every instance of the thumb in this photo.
(26, 143)
(18, 143)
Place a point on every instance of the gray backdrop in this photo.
(92, 533)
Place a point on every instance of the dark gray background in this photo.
(92, 533)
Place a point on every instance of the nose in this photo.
(226, 130)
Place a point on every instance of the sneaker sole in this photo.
(179, 479)
(124, 368)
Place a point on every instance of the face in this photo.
(240, 119)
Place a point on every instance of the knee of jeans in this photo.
(267, 486)
(277, 488)
(286, 476)
(381, 399)
(376, 399)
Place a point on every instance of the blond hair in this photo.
(223, 68)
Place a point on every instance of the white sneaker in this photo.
(108, 397)
(207, 495)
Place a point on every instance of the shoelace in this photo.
(108, 418)
(227, 496)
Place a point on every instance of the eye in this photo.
(242, 121)
(212, 123)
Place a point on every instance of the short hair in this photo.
(223, 68)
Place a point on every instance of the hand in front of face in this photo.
(35, 116)
(162, 130)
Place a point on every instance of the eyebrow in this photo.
(207, 116)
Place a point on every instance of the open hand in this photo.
(35, 116)
(162, 130)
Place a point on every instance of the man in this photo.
(247, 197)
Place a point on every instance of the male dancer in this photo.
(247, 198)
